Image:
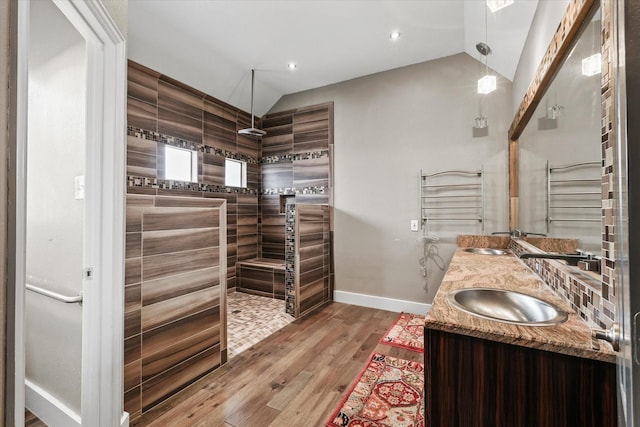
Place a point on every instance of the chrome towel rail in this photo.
(578, 192)
(54, 295)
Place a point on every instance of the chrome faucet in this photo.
(571, 259)
(518, 233)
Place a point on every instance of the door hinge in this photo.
(88, 273)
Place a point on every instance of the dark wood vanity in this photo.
(477, 382)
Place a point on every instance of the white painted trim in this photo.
(20, 218)
(49, 409)
(381, 303)
(102, 323)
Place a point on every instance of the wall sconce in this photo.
(496, 5)
(592, 65)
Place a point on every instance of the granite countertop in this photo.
(468, 270)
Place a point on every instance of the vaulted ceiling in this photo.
(213, 44)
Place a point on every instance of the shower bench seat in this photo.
(261, 276)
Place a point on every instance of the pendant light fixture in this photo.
(252, 131)
(487, 83)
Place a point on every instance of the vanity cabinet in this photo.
(477, 382)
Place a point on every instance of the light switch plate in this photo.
(415, 225)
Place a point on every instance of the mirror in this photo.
(559, 150)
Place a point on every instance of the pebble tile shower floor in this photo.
(251, 318)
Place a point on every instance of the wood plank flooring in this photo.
(296, 377)
(30, 420)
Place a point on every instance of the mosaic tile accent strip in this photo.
(183, 143)
(608, 80)
(292, 157)
(142, 182)
(251, 319)
(581, 290)
(321, 189)
(290, 259)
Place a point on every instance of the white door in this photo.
(70, 214)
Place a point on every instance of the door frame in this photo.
(103, 295)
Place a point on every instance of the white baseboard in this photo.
(124, 421)
(381, 303)
(48, 408)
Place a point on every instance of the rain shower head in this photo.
(252, 131)
(483, 48)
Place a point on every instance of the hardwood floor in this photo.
(296, 377)
(30, 420)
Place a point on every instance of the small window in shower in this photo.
(180, 164)
(235, 173)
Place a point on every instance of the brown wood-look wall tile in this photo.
(311, 295)
(278, 119)
(313, 114)
(257, 279)
(132, 349)
(133, 247)
(133, 219)
(132, 375)
(218, 108)
(142, 115)
(159, 266)
(180, 126)
(178, 377)
(181, 193)
(155, 291)
(311, 172)
(157, 339)
(132, 271)
(132, 298)
(247, 199)
(248, 146)
(179, 100)
(277, 175)
(132, 323)
(175, 219)
(133, 402)
(191, 202)
(278, 284)
(169, 241)
(213, 169)
(178, 352)
(140, 145)
(315, 199)
(172, 309)
(134, 200)
(141, 164)
(147, 191)
(142, 83)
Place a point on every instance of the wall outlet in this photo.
(415, 225)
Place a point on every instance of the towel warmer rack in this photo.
(581, 192)
(452, 196)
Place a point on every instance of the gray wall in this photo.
(388, 126)
(543, 27)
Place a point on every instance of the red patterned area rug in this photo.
(407, 332)
(389, 392)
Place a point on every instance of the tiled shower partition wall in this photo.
(296, 168)
(175, 293)
(161, 112)
(308, 283)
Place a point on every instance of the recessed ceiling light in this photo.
(292, 65)
(394, 35)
